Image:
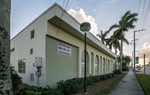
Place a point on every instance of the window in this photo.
(108, 66)
(21, 66)
(92, 63)
(31, 77)
(82, 64)
(31, 51)
(103, 65)
(32, 34)
(96, 64)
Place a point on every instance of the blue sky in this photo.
(101, 13)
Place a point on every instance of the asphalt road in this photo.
(147, 71)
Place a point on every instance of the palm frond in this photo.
(130, 26)
(115, 26)
(126, 41)
(126, 14)
(131, 16)
(118, 33)
(105, 33)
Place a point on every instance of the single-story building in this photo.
(54, 40)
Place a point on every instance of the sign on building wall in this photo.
(64, 49)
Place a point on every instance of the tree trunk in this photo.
(5, 76)
(121, 55)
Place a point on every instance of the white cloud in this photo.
(147, 36)
(145, 50)
(82, 17)
(146, 45)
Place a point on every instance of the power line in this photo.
(138, 14)
(142, 13)
(63, 3)
(64, 9)
(147, 53)
(62, 14)
(141, 17)
(144, 17)
(149, 24)
(146, 14)
(139, 7)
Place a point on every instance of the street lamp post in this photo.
(85, 27)
(134, 50)
(134, 45)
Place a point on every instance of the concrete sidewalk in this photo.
(129, 85)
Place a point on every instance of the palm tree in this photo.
(5, 76)
(126, 22)
(127, 59)
(102, 36)
(113, 42)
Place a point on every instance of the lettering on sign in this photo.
(64, 49)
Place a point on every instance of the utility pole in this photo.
(144, 63)
(134, 45)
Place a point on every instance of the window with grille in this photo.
(96, 64)
(103, 65)
(21, 66)
(82, 64)
(31, 77)
(32, 34)
(31, 51)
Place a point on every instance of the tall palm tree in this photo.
(102, 36)
(113, 42)
(126, 22)
(127, 59)
(5, 77)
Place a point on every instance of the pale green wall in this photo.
(59, 67)
(63, 35)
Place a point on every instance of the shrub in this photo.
(70, 86)
(31, 91)
(67, 87)
(61, 85)
(16, 79)
(89, 81)
(51, 91)
(80, 81)
(125, 68)
(110, 75)
(117, 72)
(103, 77)
(41, 91)
(96, 78)
(106, 76)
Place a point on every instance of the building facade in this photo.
(56, 38)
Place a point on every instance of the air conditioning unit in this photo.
(38, 62)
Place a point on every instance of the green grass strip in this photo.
(144, 81)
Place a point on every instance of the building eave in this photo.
(91, 40)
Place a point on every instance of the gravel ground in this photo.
(99, 86)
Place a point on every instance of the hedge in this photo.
(117, 72)
(66, 87)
